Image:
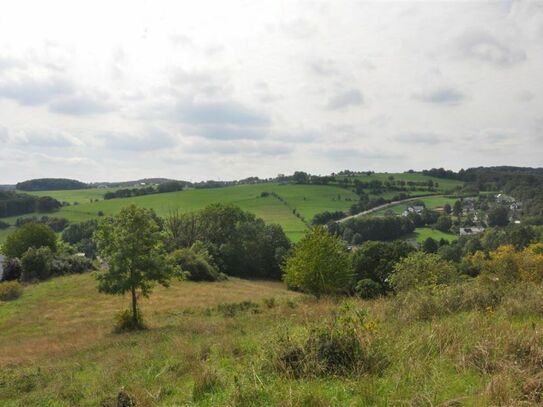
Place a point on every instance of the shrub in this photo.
(367, 289)
(198, 263)
(12, 269)
(341, 346)
(36, 264)
(421, 269)
(10, 290)
(29, 235)
(319, 264)
(232, 309)
(124, 321)
(61, 265)
(4, 225)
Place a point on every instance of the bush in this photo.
(124, 322)
(339, 346)
(61, 265)
(29, 235)
(319, 264)
(4, 225)
(198, 263)
(421, 269)
(12, 269)
(367, 289)
(36, 264)
(10, 290)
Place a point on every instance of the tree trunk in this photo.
(134, 307)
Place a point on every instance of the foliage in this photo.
(240, 244)
(125, 321)
(421, 269)
(197, 261)
(50, 184)
(4, 225)
(326, 216)
(498, 216)
(443, 223)
(80, 235)
(36, 264)
(10, 290)
(12, 269)
(30, 235)
(368, 289)
(319, 264)
(430, 245)
(387, 228)
(338, 346)
(131, 245)
(375, 260)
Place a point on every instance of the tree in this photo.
(421, 269)
(131, 245)
(319, 264)
(443, 223)
(29, 235)
(430, 245)
(447, 209)
(498, 216)
(457, 208)
(375, 260)
(36, 264)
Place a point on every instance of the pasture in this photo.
(444, 185)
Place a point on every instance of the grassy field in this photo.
(421, 234)
(75, 195)
(308, 200)
(58, 349)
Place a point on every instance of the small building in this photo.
(473, 230)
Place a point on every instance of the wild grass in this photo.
(206, 345)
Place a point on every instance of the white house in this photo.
(474, 230)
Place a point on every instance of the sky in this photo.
(226, 89)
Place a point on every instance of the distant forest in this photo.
(50, 184)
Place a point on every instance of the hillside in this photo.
(58, 349)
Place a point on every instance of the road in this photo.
(384, 206)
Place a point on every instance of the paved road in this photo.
(384, 206)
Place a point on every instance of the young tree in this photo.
(429, 245)
(319, 264)
(498, 216)
(132, 247)
(457, 208)
(443, 223)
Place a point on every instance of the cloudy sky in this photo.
(225, 89)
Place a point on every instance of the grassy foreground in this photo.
(203, 349)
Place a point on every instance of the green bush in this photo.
(367, 289)
(62, 265)
(27, 236)
(12, 269)
(10, 290)
(198, 263)
(319, 264)
(421, 269)
(36, 264)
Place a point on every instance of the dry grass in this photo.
(67, 314)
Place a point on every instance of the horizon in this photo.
(230, 90)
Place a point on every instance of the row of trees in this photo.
(13, 203)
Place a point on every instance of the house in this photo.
(473, 230)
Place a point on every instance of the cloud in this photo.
(482, 46)
(351, 97)
(149, 140)
(525, 96)
(44, 139)
(246, 148)
(441, 96)
(218, 113)
(231, 133)
(420, 138)
(323, 67)
(4, 136)
(31, 92)
(10, 63)
(80, 106)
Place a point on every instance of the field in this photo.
(58, 349)
(421, 234)
(79, 196)
(308, 200)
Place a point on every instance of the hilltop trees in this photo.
(131, 244)
(319, 264)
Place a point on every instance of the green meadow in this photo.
(443, 184)
(421, 234)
